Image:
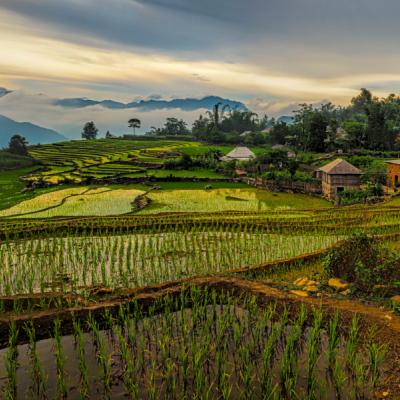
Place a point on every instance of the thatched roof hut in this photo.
(239, 153)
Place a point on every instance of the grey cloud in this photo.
(308, 36)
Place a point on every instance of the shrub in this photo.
(363, 261)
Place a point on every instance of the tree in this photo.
(217, 114)
(200, 128)
(361, 101)
(355, 133)
(18, 145)
(109, 135)
(317, 132)
(134, 123)
(89, 131)
(238, 121)
(379, 135)
(278, 133)
(175, 126)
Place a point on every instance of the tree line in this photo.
(368, 122)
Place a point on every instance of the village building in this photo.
(337, 176)
(393, 173)
(239, 154)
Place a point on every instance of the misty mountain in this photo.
(188, 104)
(4, 91)
(34, 134)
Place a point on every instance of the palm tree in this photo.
(134, 123)
(216, 115)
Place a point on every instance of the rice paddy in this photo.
(91, 201)
(189, 297)
(78, 161)
(218, 347)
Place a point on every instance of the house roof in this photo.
(340, 167)
(393, 162)
(240, 153)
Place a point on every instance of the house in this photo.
(240, 154)
(337, 176)
(393, 173)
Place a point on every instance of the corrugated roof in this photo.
(340, 167)
(240, 153)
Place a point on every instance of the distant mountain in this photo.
(4, 91)
(149, 105)
(34, 134)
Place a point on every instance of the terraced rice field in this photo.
(75, 161)
(100, 201)
(178, 300)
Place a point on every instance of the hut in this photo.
(337, 176)
(393, 173)
(240, 154)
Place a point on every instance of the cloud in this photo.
(286, 50)
(39, 109)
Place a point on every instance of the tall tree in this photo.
(279, 133)
(18, 145)
(217, 114)
(90, 131)
(134, 123)
(361, 101)
(317, 132)
(379, 135)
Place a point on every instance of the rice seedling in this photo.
(11, 363)
(37, 372)
(60, 361)
(376, 355)
(205, 344)
(82, 364)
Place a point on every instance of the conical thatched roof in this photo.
(340, 167)
(239, 153)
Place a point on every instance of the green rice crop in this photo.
(184, 347)
(76, 263)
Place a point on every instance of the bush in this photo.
(363, 261)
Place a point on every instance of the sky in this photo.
(270, 54)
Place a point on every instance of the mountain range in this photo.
(34, 134)
(67, 116)
(188, 104)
